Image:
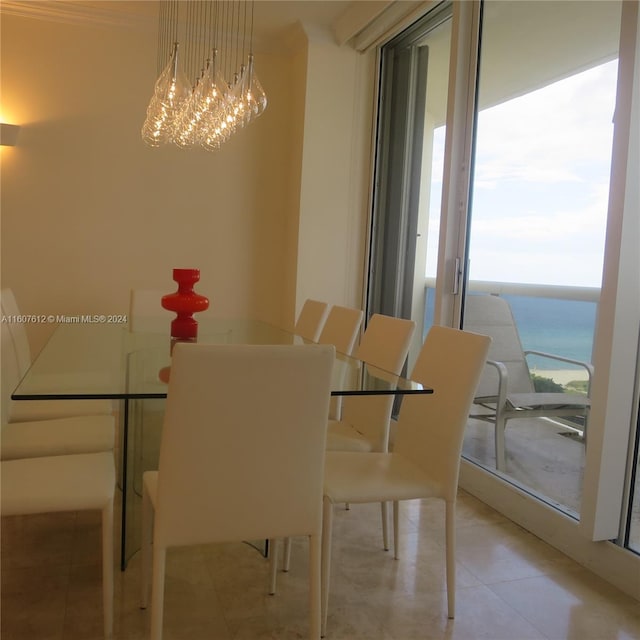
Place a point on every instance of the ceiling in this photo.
(272, 18)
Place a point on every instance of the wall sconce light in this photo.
(8, 134)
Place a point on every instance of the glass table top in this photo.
(109, 361)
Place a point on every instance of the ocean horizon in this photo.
(560, 327)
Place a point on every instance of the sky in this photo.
(541, 184)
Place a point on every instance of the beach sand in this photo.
(561, 376)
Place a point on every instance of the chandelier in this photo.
(224, 94)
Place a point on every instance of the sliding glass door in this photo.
(506, 164)
(409, 170)
(542, 160)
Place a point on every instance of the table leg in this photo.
(124, 479)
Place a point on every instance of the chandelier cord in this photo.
(196, 103)
(235, 64)
(244, 32)
(251, 36)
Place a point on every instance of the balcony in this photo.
(545, 456)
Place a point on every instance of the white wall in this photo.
(335, 169)
(89, 212)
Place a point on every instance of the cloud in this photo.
(548, 135)
(541, 183)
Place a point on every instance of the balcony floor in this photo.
(543, 456)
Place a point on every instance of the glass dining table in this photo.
(96, 360)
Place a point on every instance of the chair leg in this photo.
(450, 526)
(584, 428)
(315, 588)
(327, 523)
(157, 592)
(274, 546)
(396, 529)
(286, 561)
(145, 552)
(107, 569)
(384, 509)
(501, 425)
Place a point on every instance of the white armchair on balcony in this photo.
(506, 390)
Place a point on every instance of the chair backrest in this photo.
(491, 316)
(17, 330)
(341, 328)
(242, 449)
(385, 342)
(146, 312)
(10, 370)
(311, 319)
(385, 345)
(431, 427)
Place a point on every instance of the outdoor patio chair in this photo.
(506, 388)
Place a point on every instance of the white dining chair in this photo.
(365, 420)
(66, 483)
(16, 360)
(341, 329)
(11, 312)
(39, 428)
(425, 462)
(364, 423)
(58, 436)
(235, 463)
(311, 319)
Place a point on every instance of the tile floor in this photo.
(511, 586)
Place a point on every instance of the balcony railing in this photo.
(545, 456)
(562, 292)
(551, 318)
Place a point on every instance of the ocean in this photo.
(561, 327)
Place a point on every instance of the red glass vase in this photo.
(185, 302)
